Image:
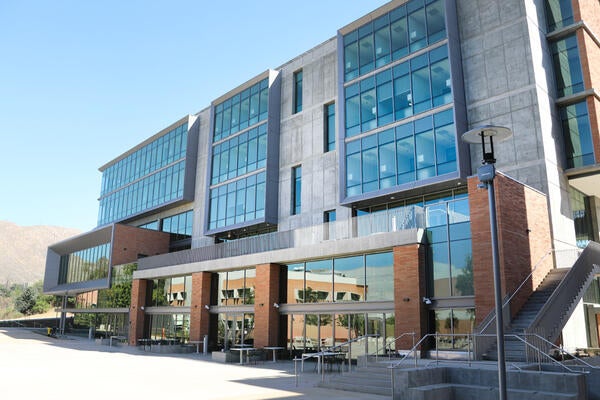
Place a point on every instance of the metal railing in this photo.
(322, 353)
(554, 313)
(388, 347)
(487, 326)
(487, 322)
(394, 220)
(533, 353)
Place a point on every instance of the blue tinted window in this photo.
(329, 127)
(577, 135)
(155, 155)
(559, 13)
(151, 191)
(567, 65)
(297, 91)
(241, 111)
(296, 190)
(449, 235)
(85, 265)
(239, 155)
(422, 149)
(409, 88)
(394, 35)
(239, 201)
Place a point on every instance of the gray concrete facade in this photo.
(508, 81)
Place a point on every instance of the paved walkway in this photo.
(34, 366)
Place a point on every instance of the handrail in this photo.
(514, 293)
(522, 338)
(388, 346)
(581, 271)
(552, 345)
(540, 352)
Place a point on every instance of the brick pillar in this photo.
(199, 315)
(524, 238)
(137, 315)
(266, 317)
(409, 289)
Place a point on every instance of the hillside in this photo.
(23, 250)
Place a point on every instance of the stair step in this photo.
(459, 391)
(354, 387)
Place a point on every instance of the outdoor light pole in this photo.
(486, 173)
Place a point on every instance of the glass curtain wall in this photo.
(235, 329)
(454, 326)
(314, 332)
(171, 328)
(174, 292)
(366, 277)
(147, 178)
(239, 153)
(85, 265)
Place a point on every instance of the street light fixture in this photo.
(485, 135)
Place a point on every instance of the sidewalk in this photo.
(35, 366)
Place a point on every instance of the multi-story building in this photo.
(332, 196)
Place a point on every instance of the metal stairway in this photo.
(514, 349)
(549, 307)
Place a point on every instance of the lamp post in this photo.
(485, 135)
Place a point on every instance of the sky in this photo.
(83, 81)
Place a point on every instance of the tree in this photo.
(464, 281)
(25, 302)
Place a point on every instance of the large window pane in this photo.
(567, 65)
(380, 276)
(577, 135)
(319, 281)
(349, 279)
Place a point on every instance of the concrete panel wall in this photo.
(509, 82)
(302, 138)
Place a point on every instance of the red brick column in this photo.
(199, 315)
(266, 317)
(137, 315)
(409, 289)
(523, 236)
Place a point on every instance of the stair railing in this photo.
(492, 316)
(553, 314)
(322, 353)
(388, 346)
(561, 350)
(531, 349)
(486, 325)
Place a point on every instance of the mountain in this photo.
(23, 250)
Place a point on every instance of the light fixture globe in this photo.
(489, 134)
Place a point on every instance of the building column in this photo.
(409, 289)
(199, 315)
(524, 240)
(137, 315)
(266, 315)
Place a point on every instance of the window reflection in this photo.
(457, 324)
(406, 29)
(343, 279)
(409, 88)
(415, 151)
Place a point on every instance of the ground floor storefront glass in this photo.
(235, 329)
(169, 327)
(314, 332)
(100, 325)
(454, 326)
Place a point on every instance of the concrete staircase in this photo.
(458, 383)
(515, 349)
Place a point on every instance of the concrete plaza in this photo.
(34, 366)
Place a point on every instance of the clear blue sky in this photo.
(83, 81)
